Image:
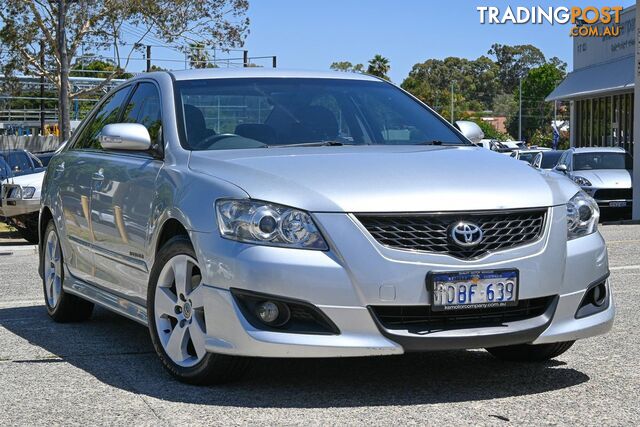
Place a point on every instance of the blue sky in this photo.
(313, 34)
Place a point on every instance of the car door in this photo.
(74, 173)
(122, 200)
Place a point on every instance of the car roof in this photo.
(257, 72)
(599, 150)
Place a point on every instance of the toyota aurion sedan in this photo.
(264, 213)
(602, 172)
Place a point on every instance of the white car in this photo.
(20, 204)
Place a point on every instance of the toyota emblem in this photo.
(466, 234)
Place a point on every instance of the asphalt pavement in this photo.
(104, 371)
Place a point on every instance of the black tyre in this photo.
(176, 319)
(61, 306)
(530, 352)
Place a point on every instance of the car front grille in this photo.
(613, 194)
(431, 232)
(420, 318)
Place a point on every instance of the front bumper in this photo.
(344, 283)
(611, 201)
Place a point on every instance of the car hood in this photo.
(30, 180)
(385, 178)
(609, 178)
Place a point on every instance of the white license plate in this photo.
(618, 204)
(471, 290)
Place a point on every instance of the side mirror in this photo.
(125, 136)
(561, 168)
(470, 130)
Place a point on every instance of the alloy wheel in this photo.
(179, 311)
(52, 269)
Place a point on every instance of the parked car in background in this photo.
(20, 203)
(21, 162)
(602, 172)
(525, 155)
(547, 159)
(261, 213)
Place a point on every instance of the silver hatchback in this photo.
(287, 214)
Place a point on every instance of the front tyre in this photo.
(176, 313)
(530, 352)
(61, 306)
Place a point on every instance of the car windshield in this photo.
(550, 159)
(5, 170)
(272, 112)
(601, 160)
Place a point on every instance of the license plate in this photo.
(473, 289)
(618, 204)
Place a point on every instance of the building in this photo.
(600, 88)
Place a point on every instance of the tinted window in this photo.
(5, 172)
(255, 112)
(19, 162)
(527, 157)
(107, 114)
(589, 161)
(144, 108)
(550, 159)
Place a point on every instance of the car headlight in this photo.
(266, 223)
(582, 182)
(28, 192)
(582, 215)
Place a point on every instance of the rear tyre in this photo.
(176, 313)
(530, 352)
(61, 306)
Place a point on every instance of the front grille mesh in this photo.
(420, 318)
(431, 232)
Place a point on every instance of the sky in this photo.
(311, 35)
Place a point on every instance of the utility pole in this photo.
(148, 58)
(245, 58)
(451, 102)
(275, 62)
(520, 108)
(42, 123)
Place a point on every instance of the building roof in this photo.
(255, 72)
(591, 81)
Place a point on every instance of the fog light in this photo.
(599, 294)
(272, 313)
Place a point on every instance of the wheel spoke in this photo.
(180, 270)
(197, 338)
(165, 302)
(50, 280)
(177, 344)
(197, 297)
(56, 288)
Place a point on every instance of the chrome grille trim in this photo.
(429, 232)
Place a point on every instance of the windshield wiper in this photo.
(438, 142)
(327, 143)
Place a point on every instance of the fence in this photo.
(33, 143)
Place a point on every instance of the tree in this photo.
(199, 56)
(347, 67)
(98, 68)
(536, 112)
(63, 26)
(379, 66)
(514, 62)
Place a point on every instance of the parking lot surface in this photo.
(104, 371)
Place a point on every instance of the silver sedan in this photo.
(264, 213)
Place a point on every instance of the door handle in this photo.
(98, 176)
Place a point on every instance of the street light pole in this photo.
(520, 108)
(451, 102)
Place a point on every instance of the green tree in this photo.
(98, 68)
(347, 66)
(514, 62)
(65, 25)
(536, 112)
(379, 66)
